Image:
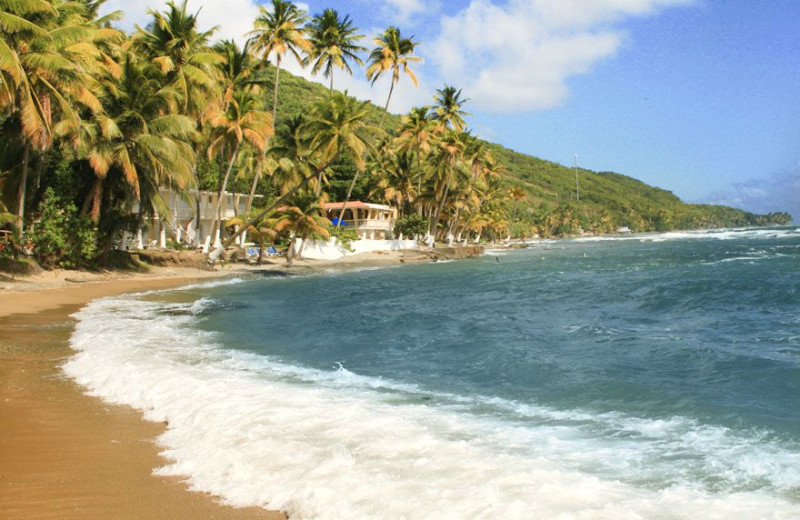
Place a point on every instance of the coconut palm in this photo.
(396, 182)
(339, 124)
(450, 149)
(173, 43)
(279, 31)
(237, 69)
(393, 53)
(239, 121)
(416, 132)
(136, 139)
(447, 110)
(333, 44)
(262, 232)
(336, 125)
(302, 219)
(48, 56)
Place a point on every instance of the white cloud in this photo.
(519, 56)
(403, 10)
(778, 192)
(233, 17)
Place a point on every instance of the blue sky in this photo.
(700, 97)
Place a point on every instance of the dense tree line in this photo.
(95, 122)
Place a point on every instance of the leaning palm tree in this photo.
(393, 53)
(262, 231)
(337, 125)
(238, 122)
(447, 110)
(279, 31)
(333, 44)
(303, 220)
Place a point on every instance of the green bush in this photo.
(412, 225)
(345, 236)
(62, 238)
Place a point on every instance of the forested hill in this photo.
(548, 204)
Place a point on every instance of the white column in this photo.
(162, 234)
(139, 244)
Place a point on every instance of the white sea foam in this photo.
(333, 444)
(719, 234)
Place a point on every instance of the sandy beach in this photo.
(67, 455)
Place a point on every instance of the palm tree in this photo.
(278, 32)
(333, 44)
(180, 51)
(393, 52)
(48, 55)
(302, 219)
(450, 150)
(447, 109)
(237, 69)
(262, 231)
(395, 182)
(239, 121)
(337, 125)
(416, 131)
(136, 139)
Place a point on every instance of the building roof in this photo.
(356, 204)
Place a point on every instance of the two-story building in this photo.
(189, 219)
(370, 221)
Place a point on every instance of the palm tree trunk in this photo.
(347, 199)
(419, 180)
(331, 89)
(26, 154)
(442, 203)
(95, 197)
(256, 178)
(386, 107)
(304, 239)
(216, 228)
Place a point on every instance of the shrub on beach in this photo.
(62, 238)
(411, 225)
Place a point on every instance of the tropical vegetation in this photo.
(96, 123)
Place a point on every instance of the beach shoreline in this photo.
(65, 454)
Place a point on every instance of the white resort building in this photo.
(370, 221)
(188, 221)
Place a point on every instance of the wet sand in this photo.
(65, 455)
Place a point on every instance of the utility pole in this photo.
(577, 190)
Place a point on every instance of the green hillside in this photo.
(608, 200)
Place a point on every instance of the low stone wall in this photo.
(456, 253)
(333, 250)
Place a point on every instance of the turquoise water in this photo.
(639, 377)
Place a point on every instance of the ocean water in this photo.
(652, 377)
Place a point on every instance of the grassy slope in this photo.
(627, 201)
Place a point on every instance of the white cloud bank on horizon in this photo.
(519, 56)
(778, 192)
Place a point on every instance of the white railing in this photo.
(367, 224)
